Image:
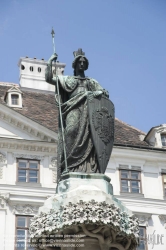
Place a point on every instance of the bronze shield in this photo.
(101, 116)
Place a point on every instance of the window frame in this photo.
(26, 229)
(15, 104)
(27, 169)
(31, 68)
(39, 69)
(163, 134)
(130, 179)
(164, 189)
(143, 238)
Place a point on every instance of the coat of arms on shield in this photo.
(101, 114)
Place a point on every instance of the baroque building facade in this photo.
(28, 151)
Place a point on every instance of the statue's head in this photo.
(80, 62)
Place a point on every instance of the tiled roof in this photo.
(128, 135)
(40, 107)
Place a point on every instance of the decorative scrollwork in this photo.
(2, 157)
(53, 162)
(25, 209)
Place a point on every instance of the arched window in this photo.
(31, 68)
(22, 67)
(39, 69)
(14, 99)
(163, 140)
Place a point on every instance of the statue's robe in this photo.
(80, 150)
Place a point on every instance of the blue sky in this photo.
(124, 40)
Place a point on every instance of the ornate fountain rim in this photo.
(92, 212)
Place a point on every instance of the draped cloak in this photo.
(80, 150)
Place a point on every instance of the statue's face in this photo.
(81, 64)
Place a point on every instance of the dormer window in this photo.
(13, 97)
(156, 137)
(163, 140)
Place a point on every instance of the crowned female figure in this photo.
(75, 91)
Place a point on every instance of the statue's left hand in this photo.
(92, 94)
(97, 93)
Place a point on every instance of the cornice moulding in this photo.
(26, 156)
(138, 155)
(39, 61)
(18, 191)
(25, 124)
(27, 146)
(127, 161)
(142, 202)
(132, 196)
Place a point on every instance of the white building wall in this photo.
(26, 198)
(22, 198)
(150, 206)
(2, 227)
(10, 230)
(36, 79)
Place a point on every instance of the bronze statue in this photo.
(88, 119)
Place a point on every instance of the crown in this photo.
(79, 52)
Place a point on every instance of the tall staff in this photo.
(60, 111)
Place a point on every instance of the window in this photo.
(31, 68)
(163, 140)
(39, 69)
(22, 233)
(142, 239)
(164, 183)
(14, 99)
(28, 171)
(130, 181)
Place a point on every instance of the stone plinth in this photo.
(72, 181)
(84, 214)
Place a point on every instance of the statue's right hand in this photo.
(53, 57)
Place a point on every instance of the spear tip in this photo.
(52, 32)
